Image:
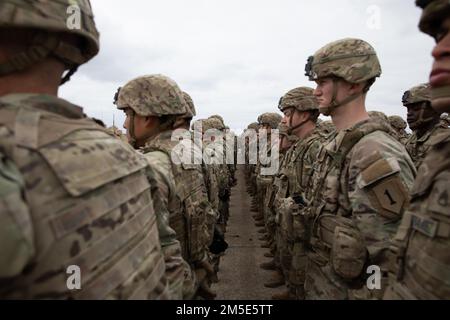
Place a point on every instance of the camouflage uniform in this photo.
(71, 194)
(418, 147)
(290, 199)
(180, 194)
(445, 120)
(399, 126)
(422, 243)
(263, 181)
(361, 182)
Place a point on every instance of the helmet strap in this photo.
(133, 139)
(292, 128)
(335, 104)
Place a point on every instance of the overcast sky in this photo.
(237, 58)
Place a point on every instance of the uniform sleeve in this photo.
(159, 174)
(380, 176)
(16, 232)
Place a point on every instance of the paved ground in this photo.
(240, 276)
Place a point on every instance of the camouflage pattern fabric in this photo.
(353, 60)
(418, 148)
(422, 242)
(189, 212)
(54, 213)
(360, 191)
(152, 95)
(179, 274)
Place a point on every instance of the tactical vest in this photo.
(89, 206)
(324, 225)
(190, 222)
(298, 174)
(423, 238)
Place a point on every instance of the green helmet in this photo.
(434, 12)
(420, 93)
(253, 125)
(353, 60)
(153, 95)
(190, 106)
(433, 15)
(397, 122)
(50, 17)
(301, 98)
(270, 118)
(212, 123)
(217, 117)
(378, 115)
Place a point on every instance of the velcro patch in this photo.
(377, 171)
(424, 225)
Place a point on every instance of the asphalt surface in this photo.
(240, 277)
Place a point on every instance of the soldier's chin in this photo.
(441, 104)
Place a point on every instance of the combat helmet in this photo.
(212, 123)
(397, 122)
(353, 60)
(433, 14)
(270, 118)
(50, 18)
(418, 94)
(152, 95)
(302, 99)
(190, 106)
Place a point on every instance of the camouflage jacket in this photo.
(423, 240)
(361, 185)
(72, 195)
(179, 274)
(419, 147)
(188, 205)
(294, 179)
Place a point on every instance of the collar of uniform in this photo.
(333, 146)
(47, 103)
(427, 134)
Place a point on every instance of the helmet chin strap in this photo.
(421, 120)
(292, 128)
(334, 103)
(133, 140)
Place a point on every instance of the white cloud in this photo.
(236, 58)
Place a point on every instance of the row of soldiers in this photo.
(359, 209)
(83, 214)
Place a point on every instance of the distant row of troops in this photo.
(321, 235)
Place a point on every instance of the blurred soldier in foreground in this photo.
(423, 239)
(70, 193)
(423, 120)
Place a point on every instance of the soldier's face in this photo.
(324, 92)
(440, 73)
(142, 127)
(418, 111)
